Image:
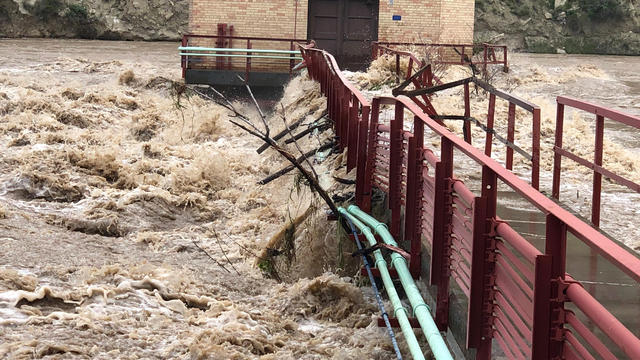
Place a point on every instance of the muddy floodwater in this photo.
(131, 225)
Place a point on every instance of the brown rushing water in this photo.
(105, 188)
(108, 193)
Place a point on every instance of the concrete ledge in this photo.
(229, 78)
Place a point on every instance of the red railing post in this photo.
(442, 222)
(183, 58)
(361, 169)
(541, 328)
(467, 114)
(481, 293)
(413, 207)
(556, 246)
(511, 127)
(335, 114)
(597, 176)
(371, 154)
(535, 150)
(557, 157)
(352, 140)
(396, 138)
(490, 119)
(344, 116)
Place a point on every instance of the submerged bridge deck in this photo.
(541, 284)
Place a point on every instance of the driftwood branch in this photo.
(284, 132)
(306, 159)
(287, 169)
(294, 162)
(255, 102)
(320, 127)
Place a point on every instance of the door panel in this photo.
(325, 23)
(345, 28)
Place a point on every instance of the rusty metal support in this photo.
(511, 126)
(395, 169)
(467, 113)
(481, 294)
(541, 332)
(442, 222)
(556, 247)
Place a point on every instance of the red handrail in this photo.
(493, 264)
(598, 170)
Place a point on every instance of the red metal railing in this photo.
(465, 52)
(222, 41)
(516, 293)
(598, 171)
(488, 126)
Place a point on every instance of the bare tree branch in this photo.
(255, 102)
(293, 139)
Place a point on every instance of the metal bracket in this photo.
(494, 226)
(562, 285)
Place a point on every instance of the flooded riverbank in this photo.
(130, 218)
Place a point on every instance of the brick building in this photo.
(343, 27)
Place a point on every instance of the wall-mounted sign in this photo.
(396, 18)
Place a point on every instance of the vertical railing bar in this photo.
(557, 158)
(597, 177)
(490, 119)
(510, 134)
(535, 150)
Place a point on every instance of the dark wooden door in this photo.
(345, 28)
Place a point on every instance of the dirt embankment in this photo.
(571, 26)
(95, 19)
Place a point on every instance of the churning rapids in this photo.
(131, 222)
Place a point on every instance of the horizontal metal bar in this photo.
(598, 169)
(600, 110)
(608, 323)
(383, 43)
(265, 51)
(187, 36)
(242, 56)
(588, 336)
(582, 351)
(506, 96)
(433, 89)
(613, 252)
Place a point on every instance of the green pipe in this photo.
(420, 309)
(242, 56)
(398, 309)
(266, 51)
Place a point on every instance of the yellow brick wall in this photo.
(254, 18)
(422, 21)
(457, 18)
(250, 18)
(440, 21)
